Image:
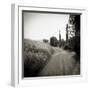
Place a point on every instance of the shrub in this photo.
(45, 40)
(67, 47)
(34, 59)
(73, 44)
(53, 41)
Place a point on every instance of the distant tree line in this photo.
(55, 42)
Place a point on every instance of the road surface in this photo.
(61, 63)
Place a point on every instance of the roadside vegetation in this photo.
(36, 55)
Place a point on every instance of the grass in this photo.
(36, 55)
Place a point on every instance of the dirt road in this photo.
(61, 63)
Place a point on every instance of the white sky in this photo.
(38, 26)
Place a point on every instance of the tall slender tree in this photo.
(66, 32)
(59, 38)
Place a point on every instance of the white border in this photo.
(16, 77)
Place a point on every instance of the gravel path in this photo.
(61, 63)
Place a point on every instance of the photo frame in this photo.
(17, 39)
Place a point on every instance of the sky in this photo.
(39, 26)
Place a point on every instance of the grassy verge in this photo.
(36, 55)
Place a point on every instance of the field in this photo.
(41, 59)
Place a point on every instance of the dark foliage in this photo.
(62, 42)
(34, 59)
(74, 42)
(53, 41)
(45, 40)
